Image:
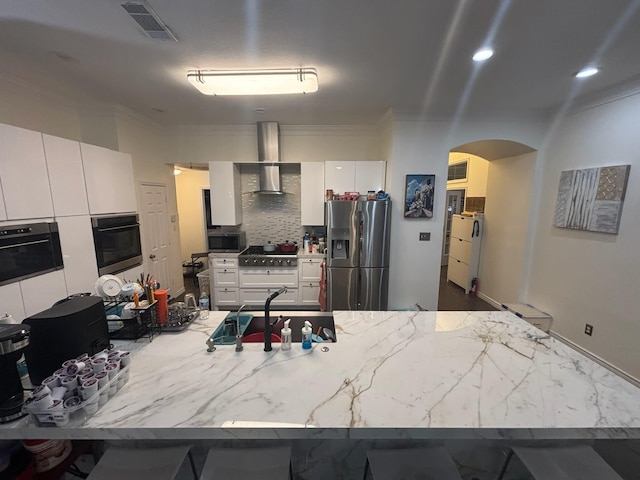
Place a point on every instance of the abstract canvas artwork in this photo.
(591, 198)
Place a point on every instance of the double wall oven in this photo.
(117, 242)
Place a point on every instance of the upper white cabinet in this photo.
(66, 176)
(226, 193)
(312, 193)
(370, 176)
(41, 292)
(109, 179)
(340, 176)
(360, 177)
(23, 173)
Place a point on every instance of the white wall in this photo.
(583, 277)
(151, 165)
(423, 147)
(33, 109)
(189, 186)
(200, 145)
(506, 226)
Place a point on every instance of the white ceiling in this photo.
(371, 55)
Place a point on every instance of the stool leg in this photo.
(503, 470)
(193, 466)
(366, 469)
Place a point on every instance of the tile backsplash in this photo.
(274, 218)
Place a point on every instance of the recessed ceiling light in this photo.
(483, 54)
(587, 72)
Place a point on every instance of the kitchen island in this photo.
(390, 375)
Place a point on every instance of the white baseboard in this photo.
(596, 359)
(490, 301)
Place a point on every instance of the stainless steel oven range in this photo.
(256, 257)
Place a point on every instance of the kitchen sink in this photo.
(318, 320)
(225, 334)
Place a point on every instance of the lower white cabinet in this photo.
(223, 278)
(258, 296)
(269, 277)
(226, 296)
(309, 271)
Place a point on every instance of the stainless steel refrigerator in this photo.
(358, 254)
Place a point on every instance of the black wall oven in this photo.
(117, 242)
(29, 250)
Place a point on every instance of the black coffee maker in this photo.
(13, 340)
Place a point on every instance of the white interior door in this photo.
(155, 233)
(455, 204)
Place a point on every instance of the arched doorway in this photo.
(504, 255)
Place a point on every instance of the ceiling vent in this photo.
(148, 20)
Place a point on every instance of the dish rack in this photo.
(74, 410)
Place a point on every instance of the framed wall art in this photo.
(591, 198)
(418, 196)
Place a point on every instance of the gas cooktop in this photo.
(255, 256)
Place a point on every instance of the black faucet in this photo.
(268, 326)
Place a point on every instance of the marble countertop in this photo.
(390, 375)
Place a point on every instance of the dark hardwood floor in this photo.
(452, 297)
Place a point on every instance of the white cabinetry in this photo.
(41, 292)
(355, 176)
(223, 271)
(78, 253)
(66, 176)
(226, 192)
(3, 210)
(109, 179)
(23, 174)
(309, 271)
(464, 252)
(256, 284)
(312, 193)
(11, 301)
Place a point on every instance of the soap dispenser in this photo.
(285, 335)
(306, 335)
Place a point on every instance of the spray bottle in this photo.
(306, 335)
(285, 335)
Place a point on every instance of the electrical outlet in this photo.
(588, 329)
(425, 236)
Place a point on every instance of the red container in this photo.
(162, 306)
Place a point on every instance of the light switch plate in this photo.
(425, 236)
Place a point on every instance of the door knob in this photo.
(152, 256)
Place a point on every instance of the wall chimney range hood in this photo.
(269, 158)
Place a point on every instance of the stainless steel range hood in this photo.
(269, 158)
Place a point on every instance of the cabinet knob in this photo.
(225, 270)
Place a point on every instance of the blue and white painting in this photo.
(591, 198)
(418, 196)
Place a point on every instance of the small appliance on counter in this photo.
(13, 340)
(65, 331)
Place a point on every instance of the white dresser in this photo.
(464, 252)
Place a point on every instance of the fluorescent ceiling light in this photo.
(587, 72)
(483, 54)
(254, 82)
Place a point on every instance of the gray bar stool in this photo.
(428, 462)
(142, 463)
(272, 463)
(562, 463)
